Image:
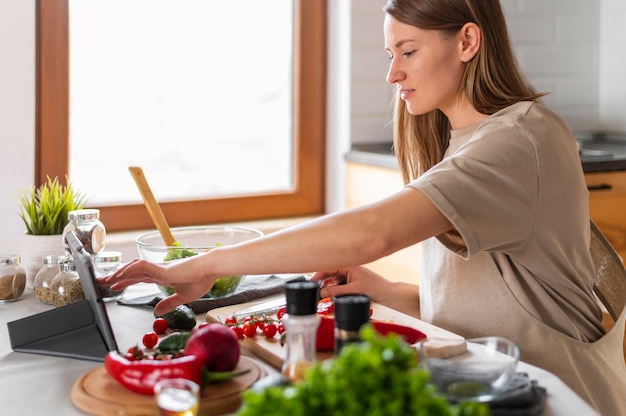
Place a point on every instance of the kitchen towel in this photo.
(523, 397)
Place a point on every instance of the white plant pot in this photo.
(34, 249)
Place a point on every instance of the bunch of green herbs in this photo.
(44, 209)
(378, 376)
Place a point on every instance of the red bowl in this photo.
(326, 333)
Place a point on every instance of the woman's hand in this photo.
(185, 276)
(400, 296)
(350, 281)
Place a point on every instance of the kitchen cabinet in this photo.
(607, 206)
(366, 184)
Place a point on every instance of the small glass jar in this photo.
(301, 321)
(65, 287)
(12, 278)
(43, 278)
(106, 263)
(88, 228)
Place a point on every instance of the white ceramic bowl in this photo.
(479, 374)
(195, 240)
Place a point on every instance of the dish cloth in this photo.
(523, 397)
(250, 288)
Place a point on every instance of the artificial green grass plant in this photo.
(44, 209)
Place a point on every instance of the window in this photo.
(294, 98)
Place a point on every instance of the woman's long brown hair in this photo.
(492, 81)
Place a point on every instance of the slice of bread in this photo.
(444, 348)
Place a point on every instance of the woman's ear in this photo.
(470, 37)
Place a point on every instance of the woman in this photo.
(491, 173)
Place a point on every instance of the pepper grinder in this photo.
(351, 313)
(301, 321)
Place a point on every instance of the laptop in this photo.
(80, 330)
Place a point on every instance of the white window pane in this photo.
(198, 93)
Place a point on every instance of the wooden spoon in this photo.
(151, 204)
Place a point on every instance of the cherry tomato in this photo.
(325, 306)
(269, 330)
(231, 320)
(280, 328)
(159, 326)
(134, 353)
(238, 331)
(203, 324)
(150, 339)
(249, 329)
(280, 312)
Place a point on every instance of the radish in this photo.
(216, 345)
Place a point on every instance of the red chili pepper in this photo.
(141, 376)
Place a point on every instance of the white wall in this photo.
(613, 64)
(17, 115)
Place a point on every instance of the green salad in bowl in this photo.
(191, 241)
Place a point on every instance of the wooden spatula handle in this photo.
(151, 204)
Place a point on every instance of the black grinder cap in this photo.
(351, 311)
(302, 297)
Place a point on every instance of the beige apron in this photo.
(466, 301)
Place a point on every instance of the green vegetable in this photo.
(182, 317)
(174, 254)
(378, 376)
(215, 376)
(173, 343)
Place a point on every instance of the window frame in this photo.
(307, 197)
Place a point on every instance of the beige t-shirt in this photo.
(518, 264)
(513, 187)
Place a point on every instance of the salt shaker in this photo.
(86, 224)
(351, 313)
(12, 278)
(301, 321)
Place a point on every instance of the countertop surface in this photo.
(600, 152)
(49, 379)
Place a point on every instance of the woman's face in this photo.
(425, 66)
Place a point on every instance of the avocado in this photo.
(181, 317)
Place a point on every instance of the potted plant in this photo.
(44, 211)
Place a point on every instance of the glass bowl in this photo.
(195, 240)
(482, 372)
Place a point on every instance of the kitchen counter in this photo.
(600, 152)
(33, 384)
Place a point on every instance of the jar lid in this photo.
(52, 259)
(302, 297)
(108, 257)
(351, 311)
(6, 259)
(83, 214)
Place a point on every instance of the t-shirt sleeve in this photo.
(488, 189)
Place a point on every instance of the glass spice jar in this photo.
(12, 278)
(88, 228)
(43, 278)
(106, 263)
(65, 287)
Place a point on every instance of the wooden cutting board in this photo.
(270, 350)
(97, 393)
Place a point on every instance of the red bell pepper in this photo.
(141, 376)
